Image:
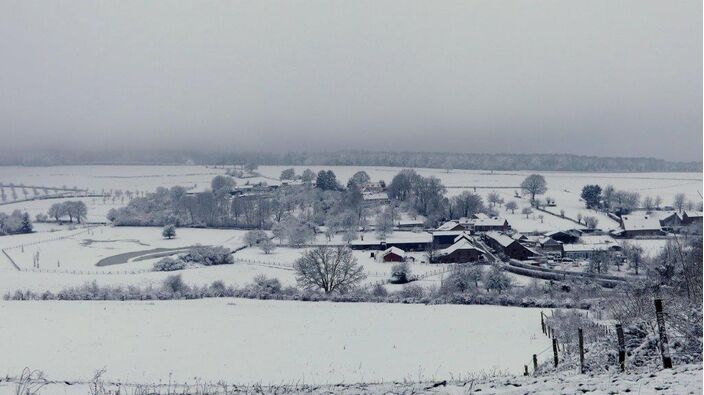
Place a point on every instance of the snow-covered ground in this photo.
(270, 342)
(85, 248)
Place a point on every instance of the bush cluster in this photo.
(169, 264)
(209, 256)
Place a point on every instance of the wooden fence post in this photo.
(664, 346)
(621, 348)
(581, 351)
(542, 322)
(554, 351)
(535, 364)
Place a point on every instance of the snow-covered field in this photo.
(269, 342)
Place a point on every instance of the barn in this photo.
(489, 224)
(508, 246)
(640, 225)
(550, 244)
(392, 254)
(463, 251)
(692, 217)
(670, 219)
(565, 236)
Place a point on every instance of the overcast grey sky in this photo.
(621, 78)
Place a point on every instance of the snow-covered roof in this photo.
(375, 196)
(463, 235)
(502, 239)
(393, 250)
(496, 221)
(597, 239)
(480, 216)
(548, 240)
(640, 222)
(449, 225)
(586, 247)
(462, 244)
(692, 214)
(447, 232)
(667, 214)
(571, 232)
(395, 237)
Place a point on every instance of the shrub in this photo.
(497, 280)
(400, 273)
(169, 231)
(412, 291)
(209, 256)
(174, 284)
(267, 285)
(379, 291)
(461, 279)
(169, 264)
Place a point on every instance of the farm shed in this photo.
(508, 246)
(392, 254)
(585, 251)
(489, 224)
(462, 251)
(565, 236)
(640, 225)
(692, 217)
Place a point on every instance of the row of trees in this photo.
(611, 199)
(73, 209)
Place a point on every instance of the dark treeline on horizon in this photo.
(465, 161)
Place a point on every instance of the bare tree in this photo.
(511, 205)
(330, 269)
(493, 198)
(658, 201)
(591, 221)
(678, 203)
(527, 211)
(648, 203)
(267, 246)
(534, 184)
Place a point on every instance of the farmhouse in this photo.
(670, 219)
(462, 251)
(407, 241)
(565, 236)
(490, 224)
(550, 244)
(450, 226)
(692, 217)
(392, 254)
(444, 238)
(640, 225)
(585, 251)
(508, 246)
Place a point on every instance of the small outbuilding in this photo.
(392, 254)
